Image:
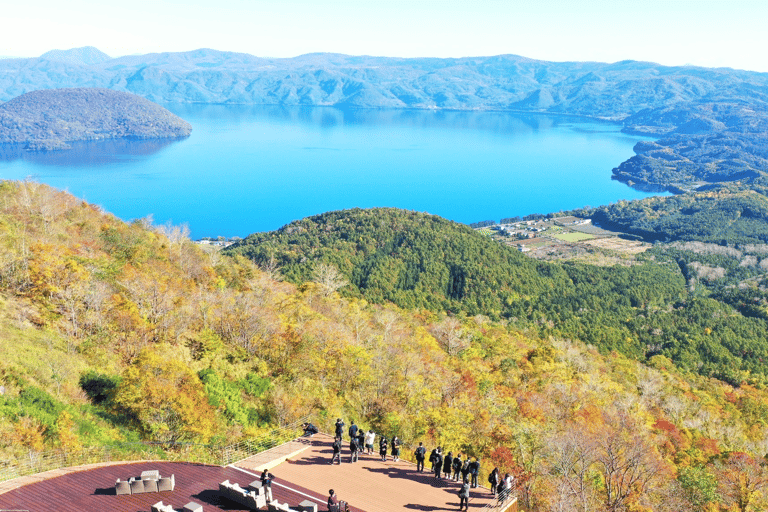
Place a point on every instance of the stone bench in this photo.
(159, 507)
(253, 497)
(142, 485)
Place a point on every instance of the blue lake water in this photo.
(255, 168)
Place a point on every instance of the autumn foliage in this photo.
(124, 332)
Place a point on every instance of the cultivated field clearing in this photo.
(573, 237)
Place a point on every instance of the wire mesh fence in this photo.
(38, 462)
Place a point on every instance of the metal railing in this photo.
(501, 506)
(39, 462)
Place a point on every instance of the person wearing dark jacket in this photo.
(383, 448)
(464, 496)
(419, 454)
(456, 467)
(432, 457)
(353, 430)
(336, 450)
(493, 479)
(465, 469)
(448, 465)
(354, 449)
(333, 501)
(361, 441)
(266, 483)
(474, 470)
(395, 448)
(438, 463)
(339, 427)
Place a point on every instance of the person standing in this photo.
(361, 441)
(339, 427)
(333, 501)
(505, 487)
(448, 465)
(383, 448)
(353, 430)
(474, 470)
(336, 450)
(419, 454)
(438, 463)
(464, 496)
(369, 438)
(456, 467)
(433, 458)
(353, 448)
(395, 448)
(493, 479)
(465, 469)
(266, 483)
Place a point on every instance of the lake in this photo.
(255, 168)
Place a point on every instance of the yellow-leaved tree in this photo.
(165, 397)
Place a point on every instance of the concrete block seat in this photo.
(167, 483)
(253, 499)
(122, 487)
(159, 507)
(307, 506)
(192, 507)
(138, 485)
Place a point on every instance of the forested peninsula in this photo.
(50, 119)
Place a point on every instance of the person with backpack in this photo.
(464, 496)
(456, 467)
(336, 450)
(432, 457)
(419, 455)
(493, 479)
(438, 463)
(353, 430)
(465, 469)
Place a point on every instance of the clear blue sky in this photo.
(709, 33)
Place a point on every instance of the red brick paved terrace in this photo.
(368, 485)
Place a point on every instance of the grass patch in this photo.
(574, 237)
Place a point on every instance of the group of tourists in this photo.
(443, 465)
(361, 441)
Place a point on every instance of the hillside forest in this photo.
(117, 332)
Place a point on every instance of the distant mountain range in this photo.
(701, 114)
(84, 56)
(613, 91)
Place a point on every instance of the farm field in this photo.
(573, 237)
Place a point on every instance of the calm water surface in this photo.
(247, 169)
